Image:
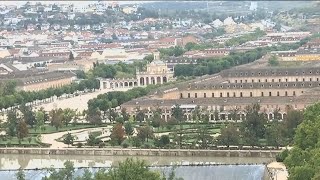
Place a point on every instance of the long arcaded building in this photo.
(232, 90)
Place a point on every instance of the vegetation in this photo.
(128, 169)
(236, 41)
(273, 61)
(10, 97)
(302, 160)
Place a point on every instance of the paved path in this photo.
(51, 138)
(77, 102)
(279, 170)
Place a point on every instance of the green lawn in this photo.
(15, 141)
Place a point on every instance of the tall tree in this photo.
(145, 133)
(56, 117)
(229, 136)
(12, 121)
(39, 120)
(177, 113)
(253, 127)
(117, 134)
(22, 130)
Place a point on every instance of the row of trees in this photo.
(256, 128)
(215, 65)
(11, 97)
(236, 41)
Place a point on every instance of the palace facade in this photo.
(232, 90)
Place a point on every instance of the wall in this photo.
(142, 152)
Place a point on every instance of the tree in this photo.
(94, 116)
(145, 133)
(67, 173)
(68, 115)
(253, 127)
(22, 129)
(20, 175)
(275, 134)
(177, 113)
(128, 128)
(129, 169)
(125, 115)
(273, 61)
(71, 57)
(163, 141)
(117, 134)
(68, 139)
(12, 122)
(140, 116)
(56, 117)
(39, 120)
(229, 136)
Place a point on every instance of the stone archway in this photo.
(158, 80)
(270, 116)
(142, 81)
(164, 79)
(130, 84)
(121, 84)
(135, 83)
(153, 81)
(126, 84)
(111, 85)
(116, 85)
(147, 80)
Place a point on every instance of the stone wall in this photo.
(141, 152)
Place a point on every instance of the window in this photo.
(252, 80)
(220, 94)
(303, 79)
(250, 94)
(188, 95)
(310, 79)
(261, 94)
(245, 81)
(269, 93)
(296, 79)
(259, 80)
(195, 95)
(278, 94)
(286, 80)
(266, 80)
(240, 94)
(204, 95)
(181, 95)
(279, 80)
(236, 81)
(286, 93)
(240, 81)
(212, 95)
(234, 94)
(227, 94)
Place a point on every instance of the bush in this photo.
(102, 144)
(125, 145)
(282, 156)
(79, 145)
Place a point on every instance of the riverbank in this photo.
(141, 152)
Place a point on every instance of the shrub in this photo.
(102, 144)
(79, 145)
(282, 156)
(125, 145)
